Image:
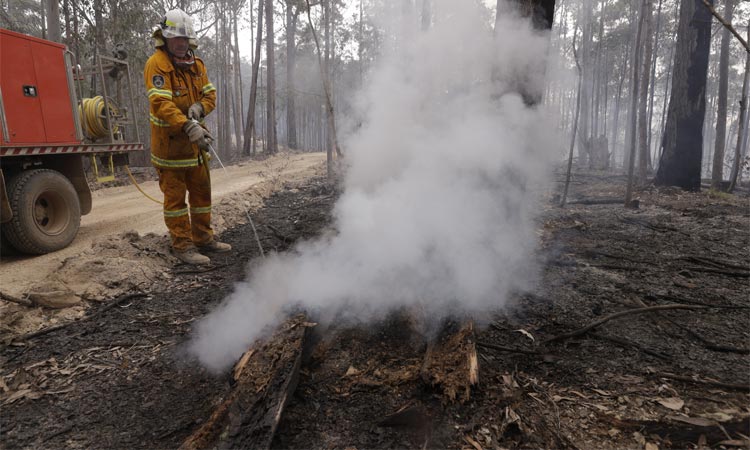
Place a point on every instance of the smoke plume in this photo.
(439, 194)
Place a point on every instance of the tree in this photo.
(292, 13)
(742, 134)
(644, 153)
(717, 170)
(271, 142)
(250, 120)
(680, 163)
(53, 21)
(634, 98)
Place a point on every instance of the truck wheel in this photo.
(6, 249)
(46, 212)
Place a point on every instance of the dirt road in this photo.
(123, 209)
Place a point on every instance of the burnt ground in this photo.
(674, 378)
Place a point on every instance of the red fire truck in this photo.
(47, 128)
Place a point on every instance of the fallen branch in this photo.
(12, 299)
(507, 349)
(673, 298)
(622, 257)
(201, 270)
(729, 273)
(732, 386)
(713, 262)
(598, 201)
(617, 315)
(627, 343)
(708, 344)
(727, 25)
(97, 313)
(278, 234)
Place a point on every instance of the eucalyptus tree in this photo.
(717, 170)
(680, 163)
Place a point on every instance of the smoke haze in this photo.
(439, 194)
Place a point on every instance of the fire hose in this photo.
(205, 157)
(94, 117)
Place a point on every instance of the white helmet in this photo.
(176, 23)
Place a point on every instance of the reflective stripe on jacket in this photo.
(170, 93)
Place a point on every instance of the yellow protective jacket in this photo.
(171, 91)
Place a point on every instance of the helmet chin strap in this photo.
(185, 62)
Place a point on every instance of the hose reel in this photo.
(94, 117)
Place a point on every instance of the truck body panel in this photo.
(34, 85)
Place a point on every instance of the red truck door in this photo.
(36, 99)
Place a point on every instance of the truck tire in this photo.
(46, 212)
(6, 249)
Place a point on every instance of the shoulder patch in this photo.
(158, 81)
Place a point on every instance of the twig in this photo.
(278, 234)
(733, 386)
(20, 301)
(712, 262)
(627, 343)
(659, 228)
(617, 315)
(727, 25)
(507, 349)
(98, 313)
(202, 270)
(598, 201)
(617, 267)
(728, 273)
(622, 257)
(708, 344)
(673, 298)
(63, 430)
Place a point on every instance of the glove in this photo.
(197, 134)
(195, 111)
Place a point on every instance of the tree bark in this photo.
(717, 169)
(680, 163)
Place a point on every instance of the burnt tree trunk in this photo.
(680, 163)
(541, 13)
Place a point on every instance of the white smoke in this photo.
(438, 202)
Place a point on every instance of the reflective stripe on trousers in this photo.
(186, 229)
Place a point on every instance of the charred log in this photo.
(266, 377)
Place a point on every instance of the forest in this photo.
(463, 224)
(267, 63)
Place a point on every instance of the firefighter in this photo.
(180, 96)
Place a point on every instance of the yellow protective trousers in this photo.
(187, 226)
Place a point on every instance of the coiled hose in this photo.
(94, 118)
